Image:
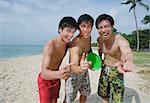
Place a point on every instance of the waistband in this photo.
(108, 69)
(55, 80)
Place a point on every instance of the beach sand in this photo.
(18, 82)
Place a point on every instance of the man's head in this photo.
(104, 23)
(85, 24)
(67, 27)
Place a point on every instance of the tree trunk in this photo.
(137, 30)
(149, 36)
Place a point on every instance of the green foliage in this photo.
(133, 4)
(144, 39)
(146, 19)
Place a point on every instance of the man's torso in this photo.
(113, 54)
(58, 53)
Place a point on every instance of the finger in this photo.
(67, 70)
(121, 71)
(66, 75)
(85, 68)
(83, 56)
(85, 64)
(68, 65)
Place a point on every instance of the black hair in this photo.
(67, 21)
(104, 17)
(86, 18)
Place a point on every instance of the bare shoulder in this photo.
(121, 40)
(99, 39)
(48, 47)
(75, 46)
(75, 42)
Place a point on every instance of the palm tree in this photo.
(133, 5)
(146, 20)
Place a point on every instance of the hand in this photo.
(85, 65)
(119, 66)
(128, 66)
(65, 71)
(121, 70)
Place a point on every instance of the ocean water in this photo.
(9, 51)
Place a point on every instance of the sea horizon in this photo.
(17, 50)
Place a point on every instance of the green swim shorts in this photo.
(111, 84)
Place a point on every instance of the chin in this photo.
(86, 36)
(105, 38)
(67, 41)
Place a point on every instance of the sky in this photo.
(34, 22)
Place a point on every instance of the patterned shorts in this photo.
(111, 82)
(77, 83)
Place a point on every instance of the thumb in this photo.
(83, 56)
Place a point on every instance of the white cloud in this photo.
(21, 9)
(39, 18)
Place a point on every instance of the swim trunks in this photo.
(111, 82)
(77, 83)
(48, 89)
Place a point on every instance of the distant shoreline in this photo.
(13, 51)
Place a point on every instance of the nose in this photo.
(71, 35)
(86, 29)
(103, 30)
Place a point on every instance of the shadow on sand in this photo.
(130, 96)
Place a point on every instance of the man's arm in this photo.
(126, 54)
(74, 57)
(79, 64)
(46, 72)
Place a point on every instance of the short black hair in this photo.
(68, 21)
(86, 18)
(104, 17)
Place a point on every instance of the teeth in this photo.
(105, 34)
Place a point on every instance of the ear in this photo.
(60, 30)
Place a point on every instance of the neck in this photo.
(110, 39)
(108, 43)
(60, 39)
(83, 38)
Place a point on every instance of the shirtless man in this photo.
(53, 54)
(118, 59)
(81, 44)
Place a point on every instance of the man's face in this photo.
(85, 29)
(105, 29)
(67, 33)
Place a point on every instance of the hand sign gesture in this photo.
(85, 65)
(65, 71)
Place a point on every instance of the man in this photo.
(53, 54)
(118, 59)
(80, 46)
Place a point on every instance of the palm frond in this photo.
(138, 0)
(133, 6)
(146, 19)
(144, 5)
(126, 2)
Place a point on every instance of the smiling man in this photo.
(118, 59)
(81, 44)
(53, 54)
